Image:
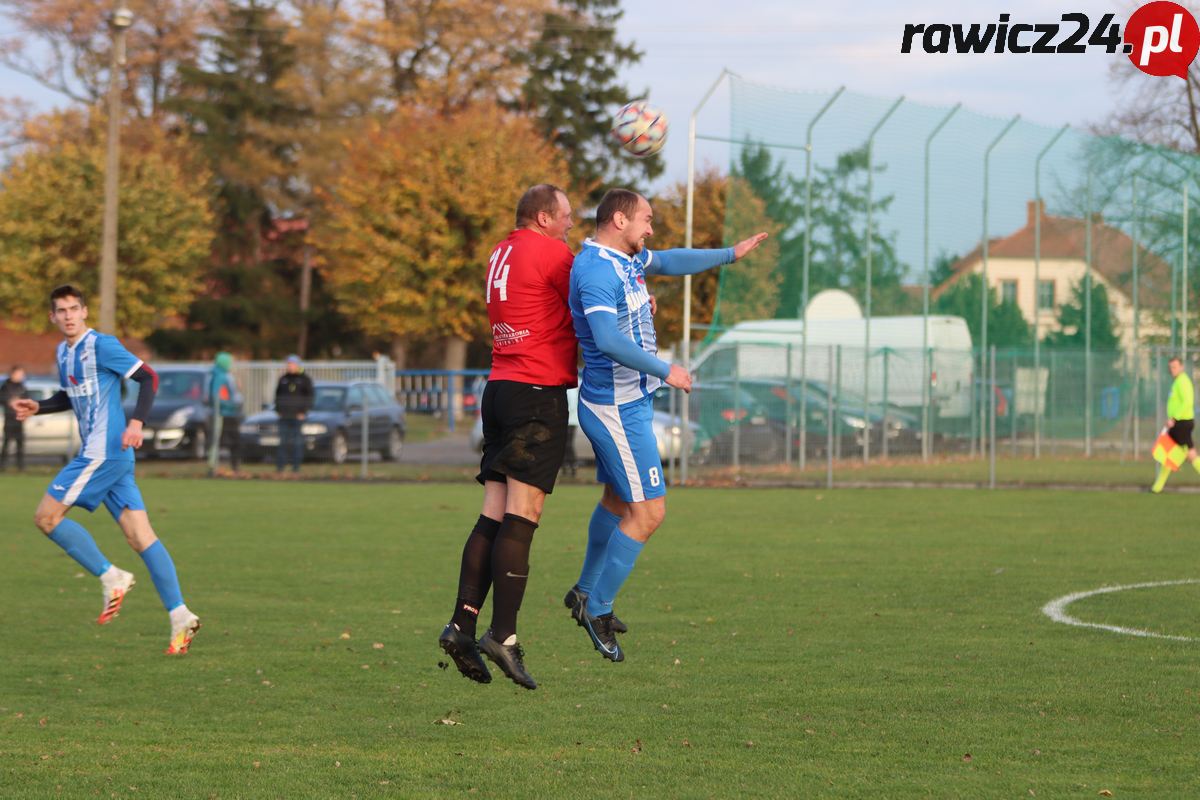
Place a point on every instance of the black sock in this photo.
(510, 572)
(475, 575)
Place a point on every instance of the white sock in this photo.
(110, 575)
(511, 640)
(180, 615)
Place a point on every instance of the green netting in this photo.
(907, 215)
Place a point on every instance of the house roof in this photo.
(1066, 238)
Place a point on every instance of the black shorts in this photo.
(1181, 432)
(524, 433)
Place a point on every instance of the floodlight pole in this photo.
(686, 432)
(867, 330)
(119, 22)
(1037, 283)
(1136, 312)
(808, 150)
(926, 369)
(986, 294)
(1087, 320)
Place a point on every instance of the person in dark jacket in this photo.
(14, 429)
(293, 399)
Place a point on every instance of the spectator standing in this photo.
(14, 429)
(293, 400)
(227, 413)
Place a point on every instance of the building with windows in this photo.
(1064, 265)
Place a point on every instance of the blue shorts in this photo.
(87, 483)
(626, 449)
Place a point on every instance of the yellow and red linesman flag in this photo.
(1169, 452)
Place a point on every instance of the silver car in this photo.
(50, 434)
(668, 432)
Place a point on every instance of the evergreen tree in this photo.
(1072, 318)
(572, 91)
(236, 108)
(1006, 324)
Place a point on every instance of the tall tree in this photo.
(838, 249)
(405, 240)
(572, 89)
(725, 210)
(1006, 324)
(50, 223)
(445, 55)
(783, 197)
(1072, 321)
(237, 110)
(65, 45)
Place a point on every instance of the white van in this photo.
(763, 349)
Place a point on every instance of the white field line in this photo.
(1056, 610)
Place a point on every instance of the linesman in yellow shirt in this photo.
(1181, 418)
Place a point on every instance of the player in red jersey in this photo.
(524, 410)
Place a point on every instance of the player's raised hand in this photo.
(24, 408)
(132, 437)
(747, 245)
(679, 378)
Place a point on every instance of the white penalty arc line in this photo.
(1056, 610)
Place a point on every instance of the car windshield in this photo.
(328, 398)
(180, 385)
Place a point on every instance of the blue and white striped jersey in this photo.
(90, 372)
(604, 279)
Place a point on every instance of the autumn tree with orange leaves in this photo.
(420, 201)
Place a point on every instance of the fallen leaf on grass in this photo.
(377, 646)
(344, 635)
(686, 743)
(1104, 793)
(967, 757)
(637, 747)
(448, 722)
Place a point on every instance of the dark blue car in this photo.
(332, 430)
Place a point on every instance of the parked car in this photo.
(181, 418)
(755, 413)
(333, 428)
(668, 432)
(50, 434)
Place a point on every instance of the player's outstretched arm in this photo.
(689, 261)
(746, 246)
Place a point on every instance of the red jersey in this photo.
(533, 338)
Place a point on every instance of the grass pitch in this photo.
(783, 643)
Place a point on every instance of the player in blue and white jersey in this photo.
(91, 367)
(613, 320)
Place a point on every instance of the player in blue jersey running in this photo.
(612, 315)
(91, 367)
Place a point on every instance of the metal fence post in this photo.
(867, 329)
(737, 406)
(808, 150)
(787, 411)
(830, 413)
(366, 419)
(986, 294)
(926, 399)
(992, 425)
(1037, 285)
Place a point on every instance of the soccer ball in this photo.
(640, 128)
